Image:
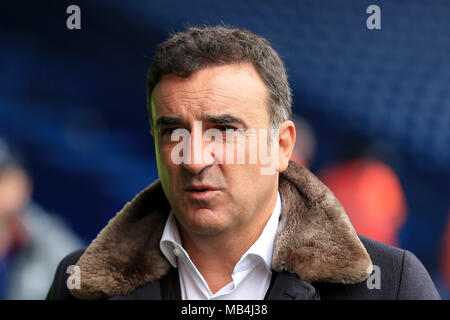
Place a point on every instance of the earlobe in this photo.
(286, 140)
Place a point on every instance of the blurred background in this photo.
(372, 109)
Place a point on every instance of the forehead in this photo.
(234, 88)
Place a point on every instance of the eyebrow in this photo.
(225, 118)
(219, 119)
(168, 121)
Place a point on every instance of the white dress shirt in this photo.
(251, 275)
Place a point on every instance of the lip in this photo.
(201, 192)
(200, 187)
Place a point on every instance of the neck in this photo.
(215, 256)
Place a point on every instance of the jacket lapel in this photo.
(288, 286)
(150, 291)
(166, 288)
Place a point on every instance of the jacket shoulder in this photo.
(408, 277)
(383, 254)
(58, 289)
(397, 274)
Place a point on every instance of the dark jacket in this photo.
(317, 253)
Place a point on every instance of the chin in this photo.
(206, 221)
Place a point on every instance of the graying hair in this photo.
(201, 47)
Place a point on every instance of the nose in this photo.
(198, 158)
(196, 168)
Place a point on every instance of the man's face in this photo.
(209, 197)
(15, 191)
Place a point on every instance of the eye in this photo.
(167, 131)
(225, 128)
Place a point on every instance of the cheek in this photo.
(163, 152)
(242, 178)
(249, 181)
(165, 167)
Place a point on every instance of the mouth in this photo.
(201, 192)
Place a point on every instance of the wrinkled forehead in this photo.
(235, 88)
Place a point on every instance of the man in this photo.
(32, 241)
(218, 224)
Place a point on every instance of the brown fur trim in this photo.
(315, 240)
(126, 254)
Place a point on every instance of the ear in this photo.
(286, 140)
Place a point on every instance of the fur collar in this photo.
(315, 240)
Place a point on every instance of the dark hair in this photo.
(9, 158)
(201, 47)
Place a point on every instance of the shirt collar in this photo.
(171, 240)
(263, 246)
(171, 247)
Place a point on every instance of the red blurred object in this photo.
(372, 196)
